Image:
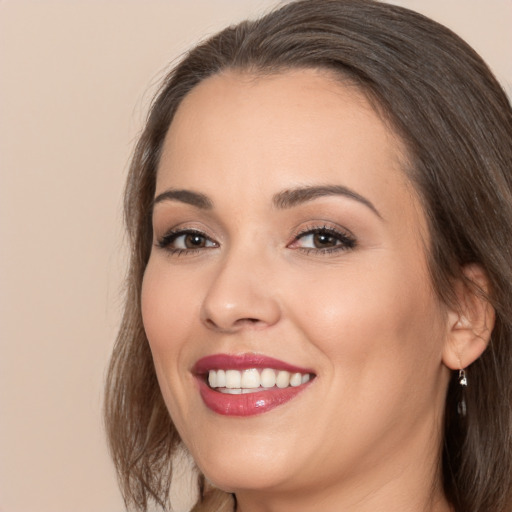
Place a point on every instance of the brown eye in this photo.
(183, 241)
(194, 241)
(323, 240)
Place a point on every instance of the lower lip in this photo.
(248, 404)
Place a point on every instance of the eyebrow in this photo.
(185, 196)
(282, 200)
(293, 197)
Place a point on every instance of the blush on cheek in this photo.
(169, 309)
(157, 314)
(365, 319)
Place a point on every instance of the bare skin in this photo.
(335, 280)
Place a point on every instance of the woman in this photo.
(319, 303)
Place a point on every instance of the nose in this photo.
(240, 296)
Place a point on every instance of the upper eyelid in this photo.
(323, 227)
(169, 219)
(183, 228)
(185, 231)
(311, 229)
(315, 228)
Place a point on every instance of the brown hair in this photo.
(456, 122)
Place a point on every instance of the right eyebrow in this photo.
(185, 196)
(293, 197)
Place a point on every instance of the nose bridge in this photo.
(240, 294)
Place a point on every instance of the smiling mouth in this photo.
(248, 384)
(253, 380)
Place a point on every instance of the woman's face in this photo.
(288, 239)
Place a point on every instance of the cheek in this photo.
(376, 334)
(168, 312)
(373, 316)
(167, 309)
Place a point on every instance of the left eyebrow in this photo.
(293, 197)
(185, 196)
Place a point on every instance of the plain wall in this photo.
(75, 81)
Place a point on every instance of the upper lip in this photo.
(243, 362)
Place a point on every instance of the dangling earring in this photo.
(463, 383)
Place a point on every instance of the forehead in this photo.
(245, 133)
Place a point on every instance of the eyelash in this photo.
(170, 237)
(347, 241)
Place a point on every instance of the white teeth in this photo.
(236, 382)
(221, 378)
(268, 378)
(237, 391)
(296, 379)
(233, 379)
(283, 379)
(251, 379)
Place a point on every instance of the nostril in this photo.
(250, 321)
(210, 323)
(238, 324)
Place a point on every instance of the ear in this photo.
(471, 321)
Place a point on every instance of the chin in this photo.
(253, 477)
(246, 467)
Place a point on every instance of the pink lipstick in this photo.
(248, 384)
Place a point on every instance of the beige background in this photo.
(75, 80)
